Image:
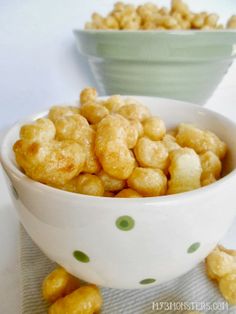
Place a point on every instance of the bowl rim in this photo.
(158, 200)
(158, 31)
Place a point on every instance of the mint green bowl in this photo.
(184, 65)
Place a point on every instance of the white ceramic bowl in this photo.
(128, 243)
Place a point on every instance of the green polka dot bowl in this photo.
(128, 243)
(185, 65)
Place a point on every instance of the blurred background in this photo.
(39, 63)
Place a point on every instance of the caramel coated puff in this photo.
(154, 128)
(138, 126)
(113, 103)
(227, 285)
(130, 127)
(85, 300)
(110, 129)
(133, 110)
(211, 168)
(53, 163)
(152, 154)
(110, 183)
(169, 142)
(220, 262)
(57, 112)
(92, 164)
(89, 184)
(74, 127)
(115, 128)
(88, 94)
(41, 131)
(93, 112)
(58, 284)
(185, 171)
(117, 160)
(148, 182)
(128, 193)
(200, 140)
(221, 266)
(181, 7)
(232, 22)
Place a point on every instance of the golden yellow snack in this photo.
(93, 112)
(57, 112)
(132, 135)
(89, 184)
(117, 160)
(151, 17)
(111, 146)
(110, 129)
(227, 251)
(170, 143)
(111, 22)
(92, 164)
(148, 182)
(227, 286)
(211, 168)
(41, 131)
(110, 183)
(220, 263)
(200, 140)
(154, 128)
(88, 94)
(53, 163)
(232, 22)
(58, 284)
(85, 300)
(180, 7)
(212, 20)
(70, 186)
(198, 21)
(74, 127)
(130, 20)
(67, 152)
(151, 154)
(185, 171)
(98, 21)
(128, 193)
(113, 103)
(138, 126)
(132, 110)
(221, 266)
(131, 128)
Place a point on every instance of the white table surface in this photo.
(39, 66)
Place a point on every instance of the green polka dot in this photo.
(14, 192)
(81, 257)
(147, 281)
(125, 223)
(194, 247)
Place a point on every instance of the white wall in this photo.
(39, 64)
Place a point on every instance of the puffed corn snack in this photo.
(150, 16)
(221, 266)
(116, 148)
(66, 295)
